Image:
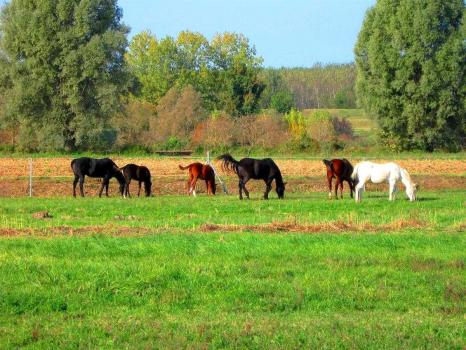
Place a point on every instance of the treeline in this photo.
(229, 76)
(96, 91)
(321, 86)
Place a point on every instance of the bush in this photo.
(264, 131)
(282, 101)
(216, 132)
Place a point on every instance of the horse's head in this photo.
(148, 188)
(214, 188)
(121, 180)
(281, 190)
(411, 192)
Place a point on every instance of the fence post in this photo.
(216, 175)
(30, 177)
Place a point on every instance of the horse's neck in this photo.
(406, 179)
(278, 179)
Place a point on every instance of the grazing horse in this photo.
(378, 173)
(101, 168)
(341, 170)
(140, 174)
(257, 169)
(203, 172)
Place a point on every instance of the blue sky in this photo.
(285, 33)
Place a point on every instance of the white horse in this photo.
(378, 173)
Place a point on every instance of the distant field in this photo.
(179, 272)
(362, 124)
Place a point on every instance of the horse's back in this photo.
(377, 172)
(259, 168)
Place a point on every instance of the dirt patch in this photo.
(176, 185)
(328, 227)
(42, 215)
(15, 167)
(276, 227)
(77, 231)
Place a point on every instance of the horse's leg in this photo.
(268, 187)
(358, 190)
(207, 185)
(329, 179)
(391, 190)
(127, 188)
(139, 190)
(245, 189)
(75, 182)
(193, 186)
(81, 185)
(341, 189)
(102, 187)
(106, 187)
(240, 186)
(351, 186)
(190, 183)
(337, 183)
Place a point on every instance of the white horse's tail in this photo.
(354, 175)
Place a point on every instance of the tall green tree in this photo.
(410, 58)
(223, 71)
(63, 70)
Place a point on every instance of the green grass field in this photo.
(177, 272)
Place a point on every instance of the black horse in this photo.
(257, 169)
(102, 168)
(139, 173)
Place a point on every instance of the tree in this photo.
(282, 101)
(224, 72)
(410, 58)
(63, 71)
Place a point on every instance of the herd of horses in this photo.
(246, 169)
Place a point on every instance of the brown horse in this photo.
(139, 173)
(203, 172)
(341, 170)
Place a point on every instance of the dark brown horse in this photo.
(140, 174)
(341, 170)
(203, 172)
(257, 169)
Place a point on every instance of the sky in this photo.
(285, 33)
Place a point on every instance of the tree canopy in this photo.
(410, 58)
(223, 71)
(62, 70)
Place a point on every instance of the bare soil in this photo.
(176, 185)
(52, 167)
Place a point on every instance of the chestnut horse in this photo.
(203, 172)
(341, 170)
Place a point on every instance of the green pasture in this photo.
(149, 273)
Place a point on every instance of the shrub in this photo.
(178, 113)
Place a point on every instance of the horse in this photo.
(200, 171)
(139, 173)
(341, 170)
(378, 173)
(101, 168)
(257, 169)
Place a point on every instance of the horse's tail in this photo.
(229, 163)
(184, 167)
(354, 174)
(328, 164)
(72, 164)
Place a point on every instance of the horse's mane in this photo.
(229, 163)
(406, 175)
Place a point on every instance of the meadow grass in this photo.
(176, 286)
